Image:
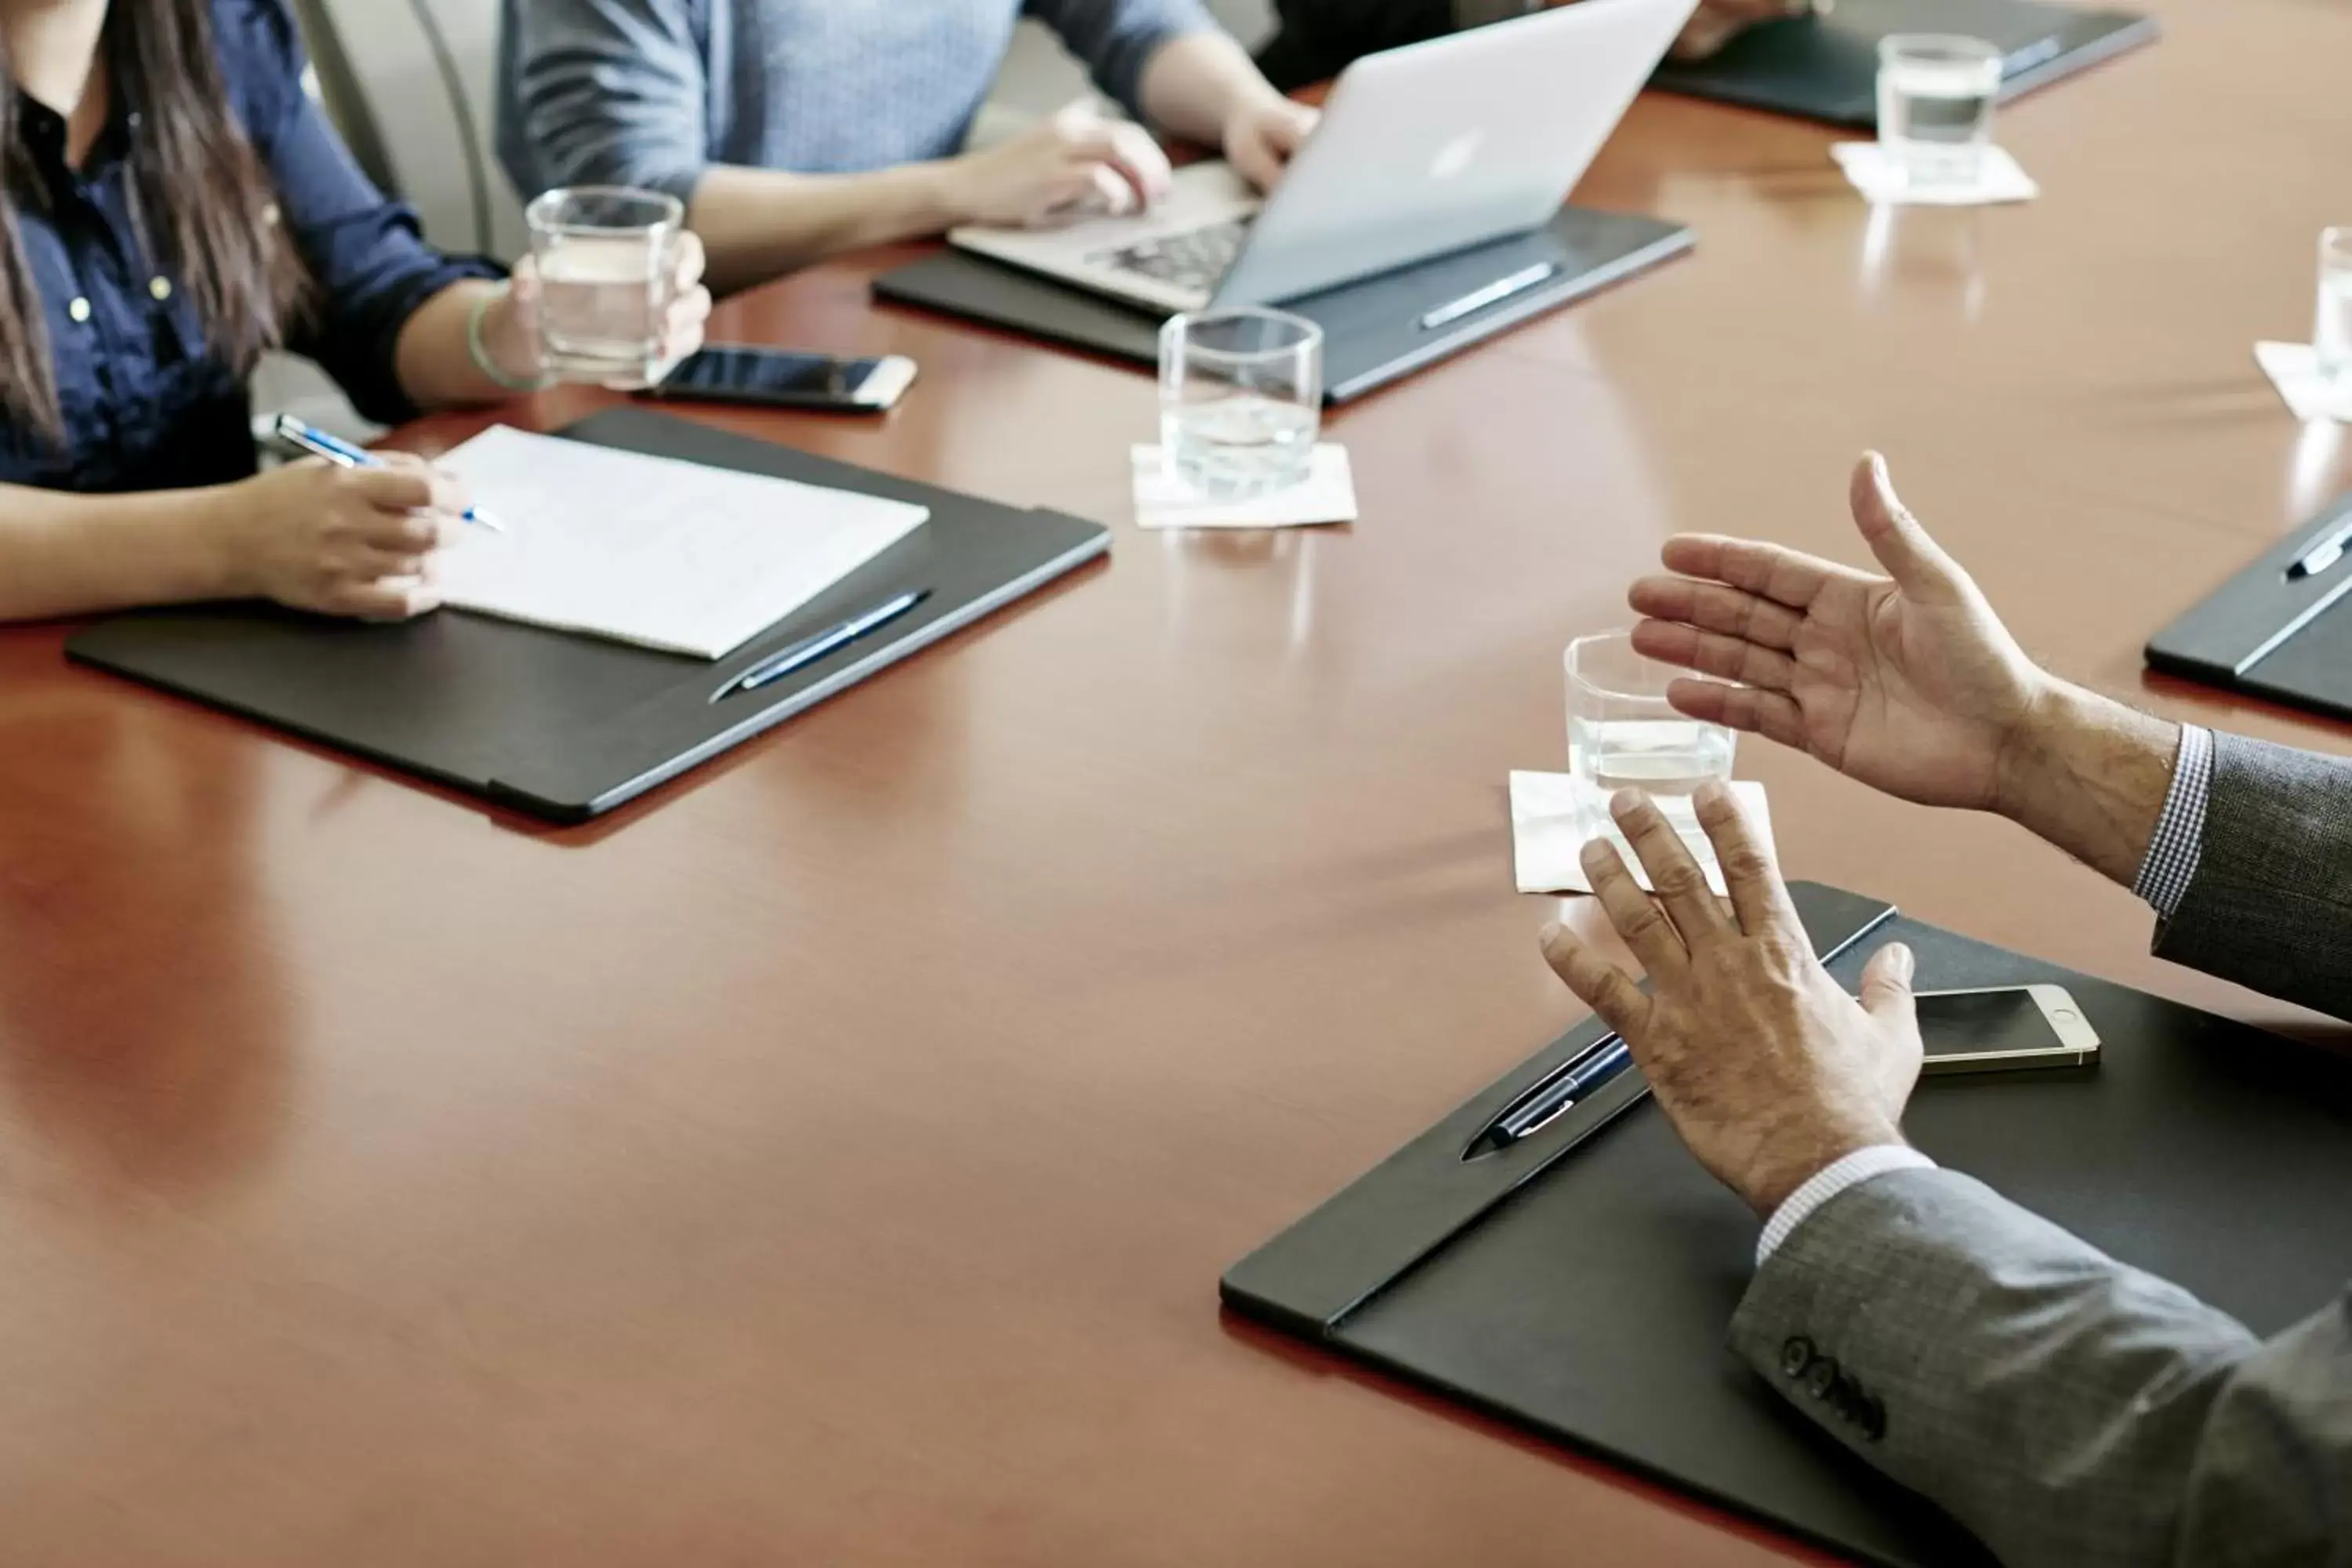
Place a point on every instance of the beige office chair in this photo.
(412, 84)
(408, 83)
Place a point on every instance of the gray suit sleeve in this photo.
(605, 92)
(2271, 905)
(1117, 38)
(2066, 1408)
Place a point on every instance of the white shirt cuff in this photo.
(1828, 1183)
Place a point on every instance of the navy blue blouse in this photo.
(147, 404)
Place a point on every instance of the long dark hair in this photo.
(207, 212)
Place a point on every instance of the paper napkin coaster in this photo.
(1551, 823)
(2293, 368)
(1327, 494)
(1881, 179)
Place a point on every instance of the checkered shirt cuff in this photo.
(2172, 854)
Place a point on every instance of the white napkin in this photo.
(2293, 368)
(1327, 494)
(1553, 817)
(1881, 179)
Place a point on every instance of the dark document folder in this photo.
(2273, 631)
(565, 727)
(1375, 329)
(1580, 1283)
(1826, 67)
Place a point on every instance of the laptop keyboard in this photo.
(1196, 258)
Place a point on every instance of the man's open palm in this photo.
(1907, 682)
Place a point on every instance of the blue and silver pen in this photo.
(341, 453)
(808, 650)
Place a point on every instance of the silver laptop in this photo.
(1425, 150)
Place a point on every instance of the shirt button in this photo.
(1796, 1356)
(79, 310)
(1821, 1377)
(160, 287)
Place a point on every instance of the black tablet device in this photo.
(1825, 66)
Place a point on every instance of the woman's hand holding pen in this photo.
(343, 542)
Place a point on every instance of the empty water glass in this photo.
(1240, 400)
(607, 258)
(1623, 734)
(1935, 97)
(2331, 337)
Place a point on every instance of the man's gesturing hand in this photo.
(1907, 682)
(1767, 1070)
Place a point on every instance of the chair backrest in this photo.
(412, 84)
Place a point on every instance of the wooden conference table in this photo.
(832, 1158)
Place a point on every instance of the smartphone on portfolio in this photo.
(781, 378)
(2005, 1030)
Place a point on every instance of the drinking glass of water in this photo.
(2331, 339)
(1623, 733)
(1936, 95)
(606, 257)
(1241, 399)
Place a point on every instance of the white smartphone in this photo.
(2005, 1030)
(782, 379)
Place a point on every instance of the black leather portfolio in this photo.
(1374, 329)
(565, 727)
(2274, 630)
(1825, 66)
(1580, 1283)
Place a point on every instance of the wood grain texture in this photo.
(831, 1158)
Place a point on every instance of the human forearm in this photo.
(2067, 1408)
(1194, 85)
(2089, 774)
(757, 224)
(434, 362)
(2266, 904)
(72, 554)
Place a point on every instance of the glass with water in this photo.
(606, 257)
(1623, 734)
(1240, 400)
(2331, 338)
(1936, 98)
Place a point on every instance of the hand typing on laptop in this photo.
(1451, 145)
(1262, 138)
(1718, 22)
(1078, 162)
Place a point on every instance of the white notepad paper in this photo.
(651, 550)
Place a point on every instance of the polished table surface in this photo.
(831, 1159)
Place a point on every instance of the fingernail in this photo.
(1625, 802)
(1595, 855)
(1712, 794)
(1550, 937)
(1906, 963)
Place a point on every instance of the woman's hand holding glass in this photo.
(513, 327)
